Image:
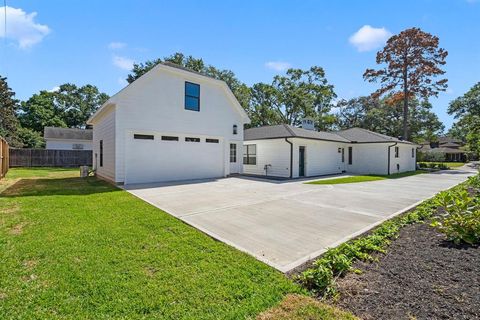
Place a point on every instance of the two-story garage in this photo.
(170, 124)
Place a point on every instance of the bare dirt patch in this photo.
(298, 307)
(421, 277)
(17, 229)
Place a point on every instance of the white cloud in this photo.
(369, 38)
(278, 65)
(21, 27)
(54, 89)
(123, 63)
(116, 45)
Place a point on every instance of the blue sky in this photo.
(53, 42)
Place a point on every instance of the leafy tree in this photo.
(30, 138)
(292, 97)
(40, 111)
(69, 106)
(8, 109)
(467, 110)
(380, 116)
(239, 89)
(78, 103)
(412, 62)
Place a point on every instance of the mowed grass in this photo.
(366, 178)
(74, 248)
(451, 165)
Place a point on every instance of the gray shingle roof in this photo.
(363, 135)
(286, 131)
(67, 133)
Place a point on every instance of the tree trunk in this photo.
(405, 104)
(405, 118)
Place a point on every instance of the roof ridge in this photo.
(287, 126)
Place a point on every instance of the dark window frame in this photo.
(249, 158)
(350, 155)
(235, 129)
(139, 136)
(343, 155)
(208, 140)
(193, 97)
(397, 152)
(413, 152)
(192, 139)
(101, 153)
(169, 138)
(233, 156)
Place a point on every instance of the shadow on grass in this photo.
(34, 187)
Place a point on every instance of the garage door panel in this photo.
(159, 161)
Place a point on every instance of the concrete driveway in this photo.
(287, 223)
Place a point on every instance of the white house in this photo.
(290, 152)
(170, 124)
(67, 138)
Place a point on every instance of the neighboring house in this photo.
(67, 138)
(170, 124)
(451, 149)
(291, 152)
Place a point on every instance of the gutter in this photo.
(291, 157)
(393, 145)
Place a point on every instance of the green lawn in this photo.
(74, 248)
(356, 179)
(451, 165)
(80, 248)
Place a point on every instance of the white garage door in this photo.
(160, 160)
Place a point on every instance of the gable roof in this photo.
(353, 135)
(288, 131)
(360, 135)
(67, 133)
(172, 67)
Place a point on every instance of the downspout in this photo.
(393, 145)
(291, 157)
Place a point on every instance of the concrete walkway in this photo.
(287, 223)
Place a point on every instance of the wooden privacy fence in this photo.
(4, 155)
(49, 158)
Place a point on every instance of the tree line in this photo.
(409, 73)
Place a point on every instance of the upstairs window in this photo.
(250, 154)
(235, 129)
(191, 139)
(192, 96)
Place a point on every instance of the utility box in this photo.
(83, 171)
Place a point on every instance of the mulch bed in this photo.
(421, 277)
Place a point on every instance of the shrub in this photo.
(460, 221)
(460, 227)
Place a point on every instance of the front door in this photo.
(301, 162)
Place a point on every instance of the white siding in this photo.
(58, 144)
(405, 160)
(321, 157)
(155, 102)
(275, 153)
(367, 158)
(104, 129)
